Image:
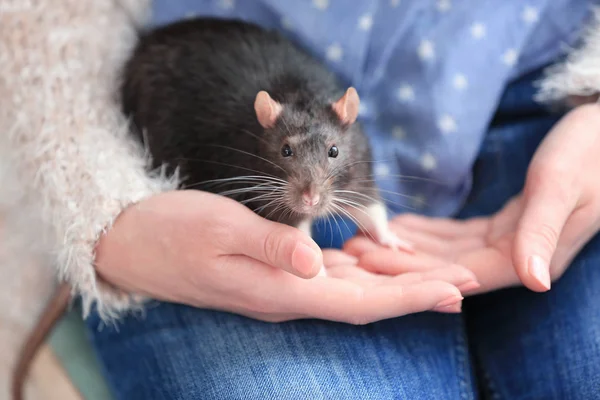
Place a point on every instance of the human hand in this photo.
(208, 251)
(533, 239)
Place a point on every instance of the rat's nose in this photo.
(310, 198)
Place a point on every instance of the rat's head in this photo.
(312, 144)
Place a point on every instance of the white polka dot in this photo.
(394, 3)
(406, 93)
(426, 50)
(447, 124)
(190, 15)
(428, 162)
(286, 23)
(321, 4)
(444, 5)
(382, 170)
(365, 22)
(460, 82)
(334, 52)
(530, 15)
(398, 132)
(227, 4)
(510, 57)
(418, 201)
(478, 30)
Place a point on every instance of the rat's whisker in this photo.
(357, 194)
(262, 197)
(247, 153)
(226, 165)
(246, 178)
(344, 222)
(398, 194)
(406, 178)
(333, 216)
(278, 203)
(335, 170)
(250, 190)
(345, 212)
(245, 184)
(330, 216)
(287, 212)
(352, 204)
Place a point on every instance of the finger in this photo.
(458, 276)
(358, 245)
(423, 242)
(278, 245)
(440, 246)
(505, 220)
(333, 257)
(356, 275)
(492, 266)
(461, 277)
(386, 261)
(547, 205)
(576, 233)
(342, 301)
(443, 227)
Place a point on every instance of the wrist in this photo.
(112, 249)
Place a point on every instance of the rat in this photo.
(241, 111)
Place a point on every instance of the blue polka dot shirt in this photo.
(429, 73)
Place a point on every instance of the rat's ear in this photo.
(267, 109)
(346, 107)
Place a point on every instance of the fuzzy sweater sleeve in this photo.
(64, 136)
(576, 80)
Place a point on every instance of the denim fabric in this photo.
(511, 344)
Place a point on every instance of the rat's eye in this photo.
(286, 151)
(333, 152)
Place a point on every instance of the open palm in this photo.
(533, 239)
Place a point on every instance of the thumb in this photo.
(278, 245)
(545, 212)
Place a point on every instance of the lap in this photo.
(542, 346)
(530, 345)
(180, 352)
(525, 344)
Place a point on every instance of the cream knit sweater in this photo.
(67, 165)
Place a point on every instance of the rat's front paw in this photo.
(391, 240)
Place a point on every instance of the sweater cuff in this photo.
(577, 79)
(68, 162)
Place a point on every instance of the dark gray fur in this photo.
(190, 87)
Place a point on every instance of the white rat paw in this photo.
(391, 240)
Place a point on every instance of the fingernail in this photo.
(451, 309)
(468, 287)
(539, 271)
(304, 259)
(449, 301)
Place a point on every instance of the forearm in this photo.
(64, 134)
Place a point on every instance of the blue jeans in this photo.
(510, 344)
